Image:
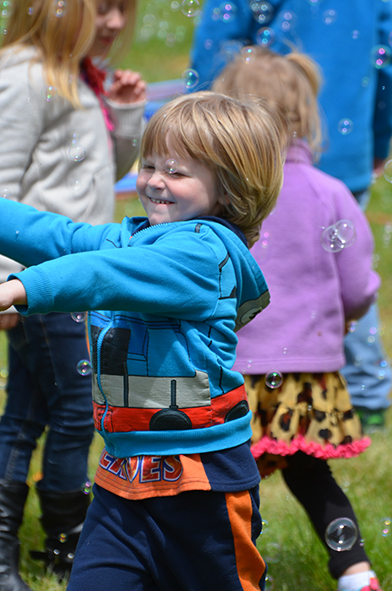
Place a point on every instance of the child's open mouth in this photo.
(160, 201)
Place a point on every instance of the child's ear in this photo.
(224, 197)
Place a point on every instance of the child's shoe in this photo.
(364, 581)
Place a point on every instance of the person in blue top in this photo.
(166, 294)
(351, 42)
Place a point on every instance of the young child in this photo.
(291, 355)
(64, 143)
(176, 492)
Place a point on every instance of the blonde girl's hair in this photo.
(63, 32)
(290, 81)
(242, 142)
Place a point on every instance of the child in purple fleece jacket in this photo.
(315, 251)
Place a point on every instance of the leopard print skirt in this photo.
(309, 412)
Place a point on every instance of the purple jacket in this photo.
(313, 292)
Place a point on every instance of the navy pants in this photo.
(198, 540)
(45, 389)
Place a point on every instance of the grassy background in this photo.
(297, 560)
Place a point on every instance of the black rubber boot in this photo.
(62, 519)
(13, 497)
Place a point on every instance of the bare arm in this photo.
(12, 293)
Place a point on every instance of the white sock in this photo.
(355, 582)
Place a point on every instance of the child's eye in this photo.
(102, 8)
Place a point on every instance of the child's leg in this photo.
(312, 483)
(197, 540)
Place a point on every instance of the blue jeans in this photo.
(45, 390)
(367, 369)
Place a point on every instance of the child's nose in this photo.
(156, 180)
(116, 19)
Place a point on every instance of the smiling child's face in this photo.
(110, 20)
(189, 192)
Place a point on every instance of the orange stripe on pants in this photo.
(250, 565)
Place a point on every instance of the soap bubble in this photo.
(84, 367)
(262, 11)
(87, 488)
(190, 7)
(171, 166)
(75, 185)
(6, 8)
(249, 53)
(49, 93)
(380, 56)
(286, 20)
(4, 192)
(274, 380)
(78, 316)
(385, 526)
(190, 78)
(329, 16)
(265, 36)
(341, 534)
(59, 8)
(77, 153)
(272, 552)
(228, 11)
(346, 232)
(264, 526)
(388, 171)
(338, 236)
(345, 126)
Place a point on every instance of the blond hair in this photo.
(240, 141)
(63, 32)
(290, 81)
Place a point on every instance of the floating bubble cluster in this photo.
(171, 166)
(341, 534)
(338, 236)
(274, 380)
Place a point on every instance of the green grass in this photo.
(299, 561)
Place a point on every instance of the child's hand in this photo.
(128, 87)
(8, 321)
(12, 292)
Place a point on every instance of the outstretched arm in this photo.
(12, 293)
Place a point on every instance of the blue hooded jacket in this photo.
(168, 299)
